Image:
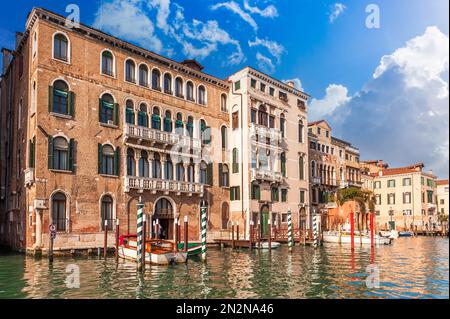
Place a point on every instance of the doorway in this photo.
(164, 214)
(264, 220)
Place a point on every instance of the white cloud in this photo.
(163, 7)
(126, 19)
(268, 12)
(401, 114)
(337, 10)
(336, 96)
(424, 59)
(273, 47)
(236, 8)
(297, 83)
(264, 63)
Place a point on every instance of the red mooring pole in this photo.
(117, 240)
(186, 227)
(372, 241)
(352, 230)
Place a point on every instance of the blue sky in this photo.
(323, 44)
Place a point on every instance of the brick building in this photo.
(92, 123)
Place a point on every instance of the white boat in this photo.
(393, 234)
(158, 252)
(345, 238)
(265, 245)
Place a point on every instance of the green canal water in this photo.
(410, 268)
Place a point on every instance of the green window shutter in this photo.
(71, 103)
(116, 114)
(100, 158)
(100, 110)
(232, 194)
(71, 155)
(50, 152)
(220, 174)
(50, 98)
(238, 193)
(258, 192)
(32, 152)
(117, 161)
(209, 174)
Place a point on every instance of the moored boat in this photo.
(157, 252)
(393, 234)
(405, 234)
(345, 238)
(265, 245)
(194, 248)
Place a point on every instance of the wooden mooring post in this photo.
(251, 236)
(232, 235)
(144, 239)
(117, 240)
(186, 233)
(270, 234)
(105, 241)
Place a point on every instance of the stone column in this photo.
(197, 173)
(38, 243)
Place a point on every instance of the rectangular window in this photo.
(327, 133)
(407, 182)
(422, 180)
(253, 83)
(318, 131)
(237, 85)
(391, 183)
(430, 183)
(272, 91)
(284, 195)
(302, 197)
(312, 145)
(430, 197)
(391, 199)
(256, 192)
(332, 151)
(378, 199)
(253, 116)
(262, 87)
(275, 194)
(423, 197)
(283, 96)
(407, 198)
(442, 202)
(235, 193)
(235, 120)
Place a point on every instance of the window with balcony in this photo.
(143, 165)
(179, 126)
(168, 122)
(168, 173)
(156, 166)
(59, 211)
(107, 63)
(108, 110)
(61, 47)
(108, 160)
(130, 71)
(190, 127)
(203, 173)
(61, 100)
(179, 87)
(131, 163)
(107, 212)
(143, 75)
(180, 172)
(156, 118)
(129, 112)
(156, 80)
(190, 91)
(142, 115)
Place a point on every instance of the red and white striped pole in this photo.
(352, 230)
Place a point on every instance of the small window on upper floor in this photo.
(61, 47)
(262, 87)
(253, 83)
(168, 83)
(201, 95)
(283, 96)
(223, 103)
(237, 85)
(107, 63)
(190, 91)
(272, 91)
(130, 71)
(34, 47)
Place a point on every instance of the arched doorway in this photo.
(264, 219)
(164, 213)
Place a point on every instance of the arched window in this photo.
(168, 122)
(205, 132)
(156, 166)
(59, 211)
(235, 167)
(201, 95)
(203, 173)
(129, 112)
(223, 103)
(107, 109)
(179, 124)
(167, 83)
(190, 91)
(143, 165)
(156, 80)
(142, 116)
(301, 128)
(179, 87)
(223, 132)
(224, 175)
(262, 116)
(283, 125)
(108, 160)
(156, 119)
(107, 63)
(61, 47)
(168, 174)
(225, 215)
(60, 154)
(180, 172)
(301, 168)
(131, 163)
(283, 164)
(191, 172)
(130, 71)
(61, 99)
(190, 126)
(143, 75)
(163, 207)
(107, 212)
(313, 169)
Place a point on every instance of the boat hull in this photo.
(361, 240)
(265, 245)
(166, 258)
(194, 248)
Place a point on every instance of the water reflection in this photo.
(410, 268)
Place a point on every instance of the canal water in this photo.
(410, 268)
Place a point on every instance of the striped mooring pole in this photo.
(203, 215)
(315, 231)
(140, 214)
(290, 239)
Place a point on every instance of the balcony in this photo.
(157, 136)
(316, 181)
(166, 186)
(264, 132)
(29, 176)
(354, 183)
(264, 175)
(343, 184)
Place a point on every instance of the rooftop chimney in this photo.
(19, 36)
(291, 84)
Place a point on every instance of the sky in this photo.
(384, 89)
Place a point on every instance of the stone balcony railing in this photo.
(316, 181)
(343, 184)
(270, 176)
(29, 176)
(167, 186)
(264, 132)
(158, 136)
(354, 183)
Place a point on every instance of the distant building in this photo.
(442, 189)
